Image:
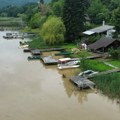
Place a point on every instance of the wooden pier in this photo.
(49, 60)
(82, 82)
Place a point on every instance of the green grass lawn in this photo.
(68, 46)
(115, 62)
(96, 65)
(38, 42)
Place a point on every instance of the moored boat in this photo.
(34, 57)
(65, 63)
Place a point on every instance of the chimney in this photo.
(103, 23)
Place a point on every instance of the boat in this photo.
(8, 36)
(24, 46)
(27, 50)
(65, 63)
(34, 57)
(36, 52)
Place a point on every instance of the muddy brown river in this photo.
(31, 91)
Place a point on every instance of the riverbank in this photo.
(97, 65)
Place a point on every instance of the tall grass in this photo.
(109, 84)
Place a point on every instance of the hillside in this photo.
(4, 3)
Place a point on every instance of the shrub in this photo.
(115, 53)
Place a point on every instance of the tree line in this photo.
(65, 20)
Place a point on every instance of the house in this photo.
(103, 44)
(98, 30)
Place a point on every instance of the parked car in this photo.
(87, 73)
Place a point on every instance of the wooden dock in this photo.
(104, 73)
(49, 60)
(82, 82)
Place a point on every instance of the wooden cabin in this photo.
(103, 44)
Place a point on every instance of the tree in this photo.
(53, 31)
(98, 12)
(58, 8)
(117, 20)
(35, 21)
(74, 18)
(42, 1)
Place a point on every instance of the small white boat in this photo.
(65, 63)
(24, 46)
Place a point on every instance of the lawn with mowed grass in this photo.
(115, 62)
(96, 65)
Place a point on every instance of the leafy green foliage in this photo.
(53, 31)
(37, 43)
(4, 3)
(35, 21)
(58, 8)
(98, 12)
(115, 53)
(73, 17)
(117, 20)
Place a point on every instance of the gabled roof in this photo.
(102, 43)
(100, 29)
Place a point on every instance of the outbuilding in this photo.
(103, 44)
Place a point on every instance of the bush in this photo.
(115, 53)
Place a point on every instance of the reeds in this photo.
(109, 84)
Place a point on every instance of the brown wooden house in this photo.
(103, 44)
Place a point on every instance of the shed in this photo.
(104, 44)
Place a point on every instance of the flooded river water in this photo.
(31, 91)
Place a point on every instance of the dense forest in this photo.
(4, 3)
(61, 20)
